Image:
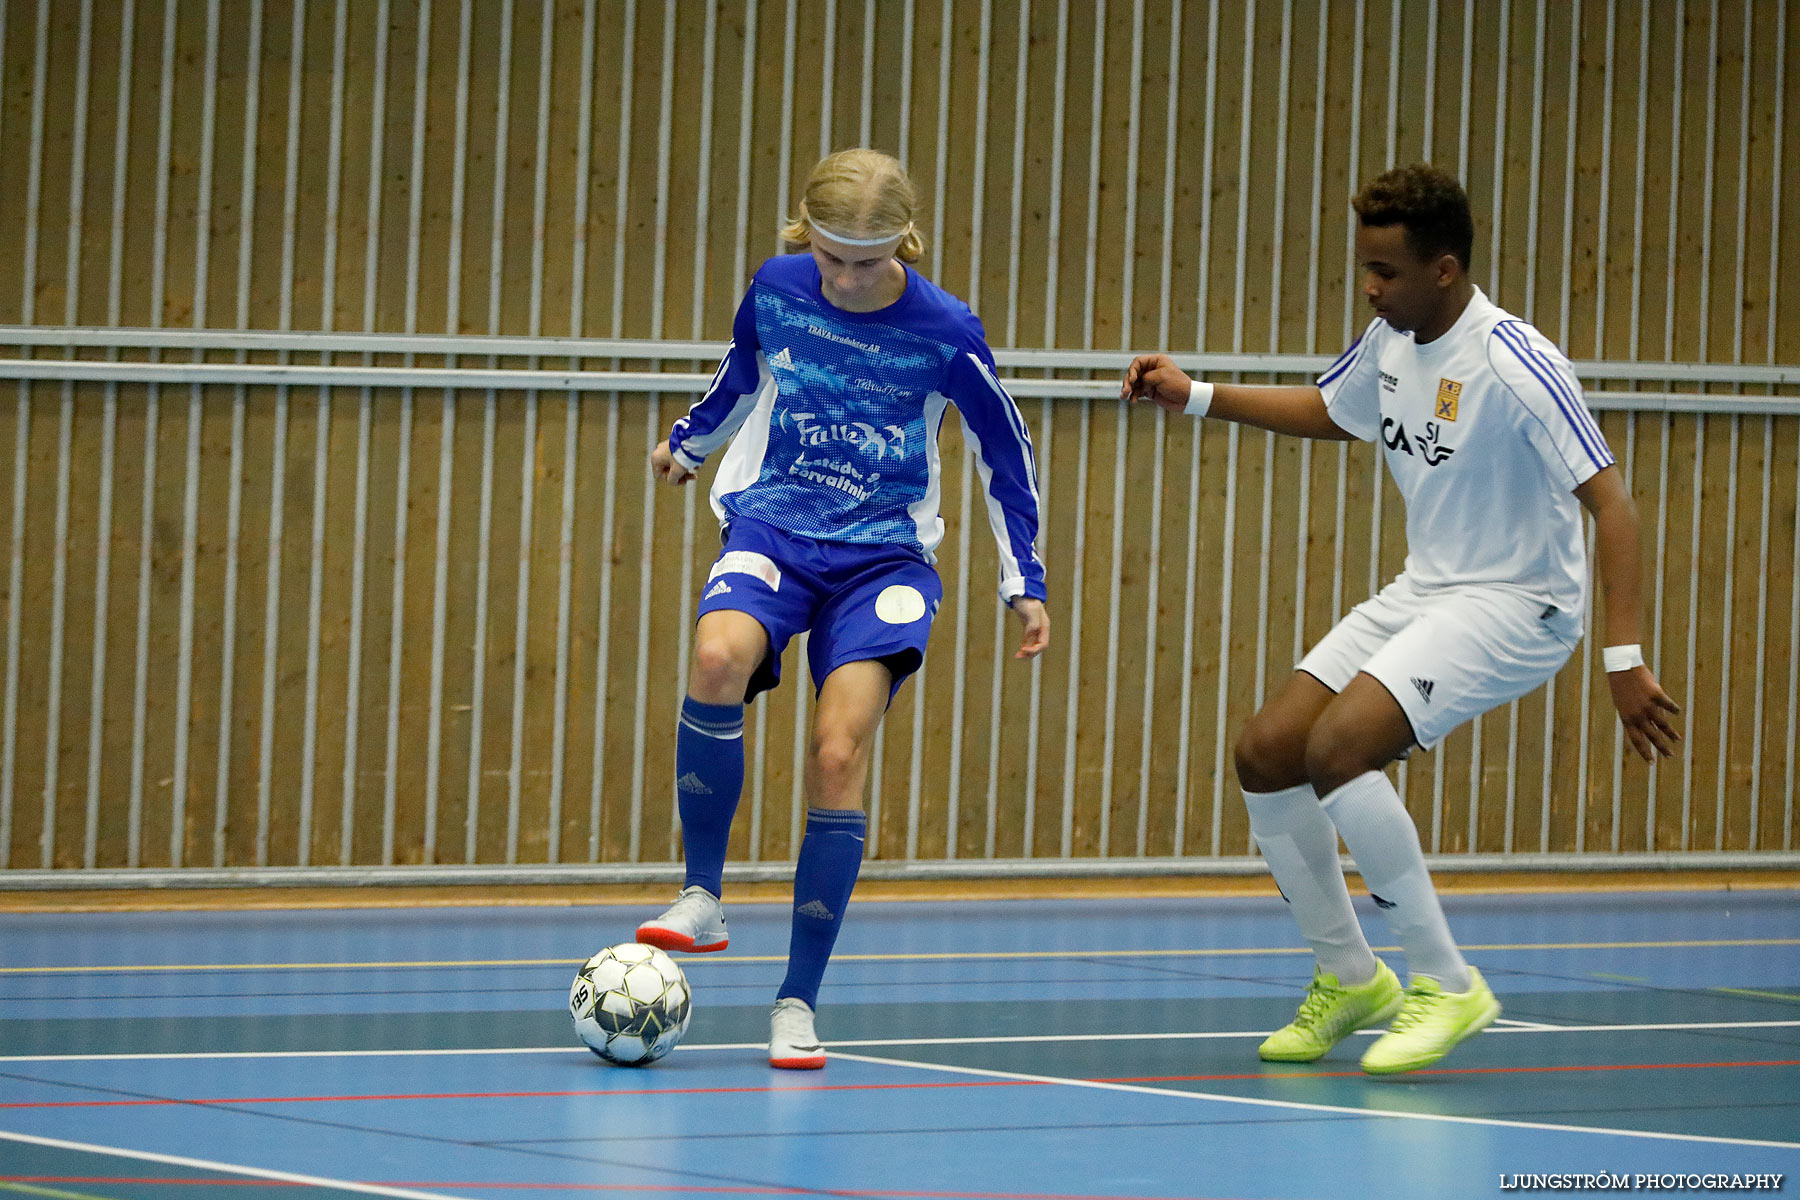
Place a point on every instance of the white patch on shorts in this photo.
(748, 562)
(901, 604)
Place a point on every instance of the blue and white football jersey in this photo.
(836, 417)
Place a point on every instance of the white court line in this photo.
(176, 1160)
(1344, 1110)
(1503, 1025)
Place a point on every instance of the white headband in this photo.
(883, 240)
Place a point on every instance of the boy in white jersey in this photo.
(842, 363)
(1495, 454)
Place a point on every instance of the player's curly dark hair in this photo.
(1428, 202)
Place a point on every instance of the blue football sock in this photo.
(830, 856)
(709, 778)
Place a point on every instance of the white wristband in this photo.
(1200, 397)
(1622, 658)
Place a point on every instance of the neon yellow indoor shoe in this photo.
(1330, 1013)
(1430, 1023)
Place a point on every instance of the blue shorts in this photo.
(859, 601)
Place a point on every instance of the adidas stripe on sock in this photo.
(1382, 839)
(709, 777)
(830, 857)
(1300, 844)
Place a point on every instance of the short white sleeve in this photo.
(1556, 419)
(1351, 385)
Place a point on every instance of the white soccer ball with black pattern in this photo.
(630, 1004)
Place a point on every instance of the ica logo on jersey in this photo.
(1430, 448)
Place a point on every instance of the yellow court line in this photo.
(945, 956)
(27, 1189)
(1790, 997)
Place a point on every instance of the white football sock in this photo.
(1382, 839)
(1300, 845)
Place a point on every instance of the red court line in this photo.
(880, 1087)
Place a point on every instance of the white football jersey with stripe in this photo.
(1487, 436)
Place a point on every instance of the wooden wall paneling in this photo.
(255, 547)
(437, 298)
(378, 208)
(521, 231)
(594, 542)
(106, 715)
(265, 91)
(195, 651)
(478, 290)
(1648, 442)
(1561, 291)
(365, 699)
(1732, 258)
(330, 524)
(17, 58)
(844, 53)
(29, 418)
(676, 225)
(719, 282)
(99, 615)
(1711, 629)
(1681, 298)
(463, 411)
(1240, 654)
(615, 724)
(164, 617)
(998, 168)
(1625, 201)
(1589, 182)
(1060, 484)
(315, 194)
(1785, 144)
(1677, 637)
(1125, 546)
(1757, 169)
(1166, 612)
(535, 682)
(619, 620)
(87, 596)
(56, 790)
(95, 167)
(46, 200)
(141, 168)
(1776, 712)
(1208, 763)
(495, 697)
(1739, 772)
(1532, 785)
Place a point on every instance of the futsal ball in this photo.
(630, 1004)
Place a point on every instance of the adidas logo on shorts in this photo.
(1424, 686)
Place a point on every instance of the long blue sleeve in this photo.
(997, 434)
(729, 400)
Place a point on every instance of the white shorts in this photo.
(1448, 654)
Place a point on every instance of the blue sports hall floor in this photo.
(1015, 1049)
